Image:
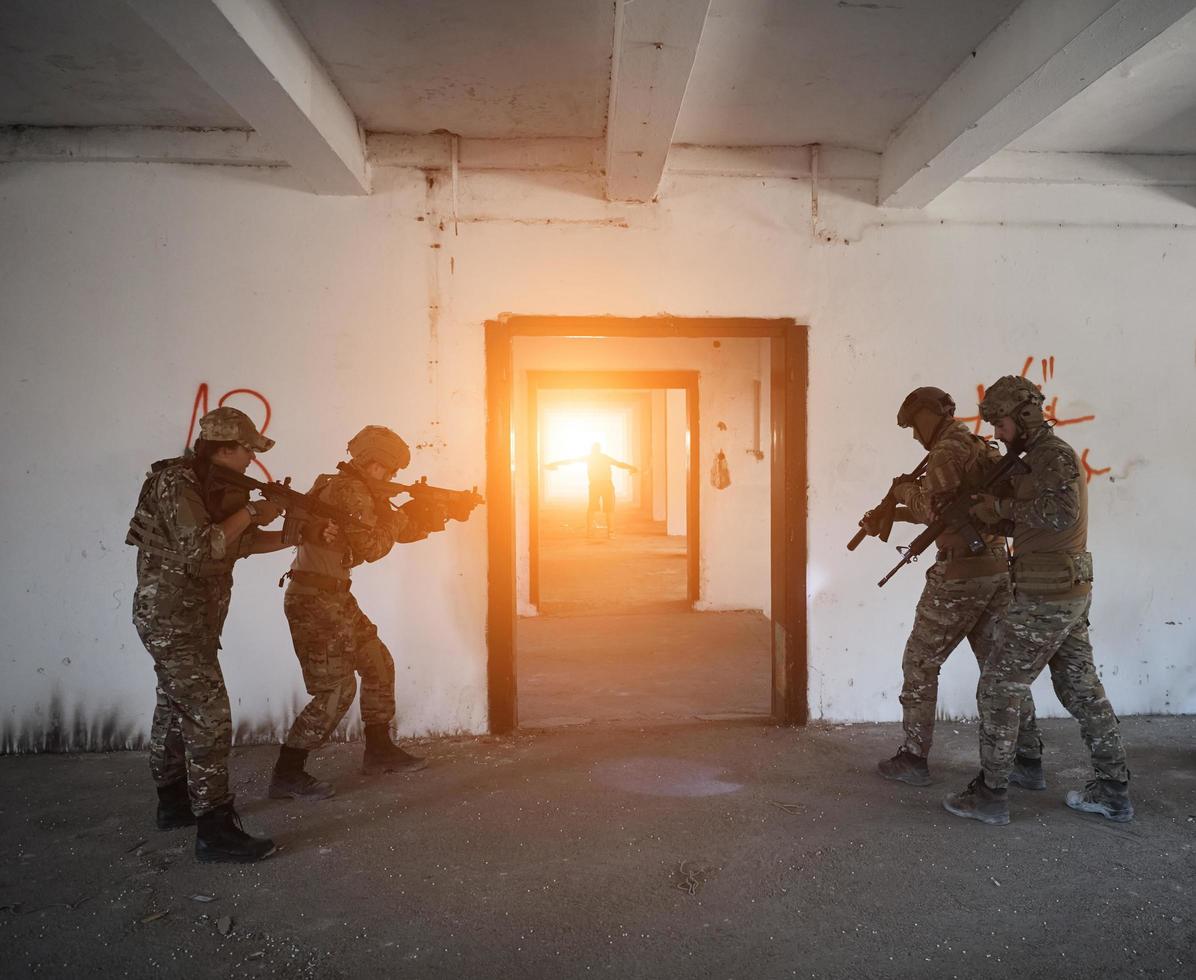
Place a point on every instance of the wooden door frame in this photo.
(597, 381)
(789, 382)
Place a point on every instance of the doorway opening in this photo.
(612, 480)
(542, 398)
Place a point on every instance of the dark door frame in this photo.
(789, 357)
(599, 380)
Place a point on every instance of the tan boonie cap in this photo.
(230, 425)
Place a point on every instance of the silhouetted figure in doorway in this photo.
(602, 487)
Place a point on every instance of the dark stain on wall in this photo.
(59, 729)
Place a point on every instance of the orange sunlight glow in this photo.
(569, 434)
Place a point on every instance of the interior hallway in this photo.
(647, 667)
(617, 640)
(638, 569)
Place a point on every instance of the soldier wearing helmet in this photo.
(1046, 625)
(189, 530)
(333, 639)
(964, 595)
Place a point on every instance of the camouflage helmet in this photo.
(934, 399)
(1015, 398)
(227, 424)
(378, 444)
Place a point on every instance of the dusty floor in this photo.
(693, 849)
(638, 569)
(646, 667)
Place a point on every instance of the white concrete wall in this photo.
(678, 462)
(659, 455)
(733, 561)
(126, 286)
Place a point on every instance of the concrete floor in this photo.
(616, 639)
(626, 850)
(639, 569)
(648, 667)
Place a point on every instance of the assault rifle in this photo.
(457, 504)
(879, 520)
(954, 515)
(298, 505)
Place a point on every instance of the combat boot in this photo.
(1027, 773)
(291, 782)
(906, 767)
(382, 755)
(979, 802)
(174, 806)
(220, 837)
(1107, 797)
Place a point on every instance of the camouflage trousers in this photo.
(192, 730)
(333, 640)
(948, 611)
(1035, 633)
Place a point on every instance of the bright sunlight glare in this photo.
(569, 434)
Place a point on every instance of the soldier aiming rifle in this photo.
(334, 640)
(967, 588)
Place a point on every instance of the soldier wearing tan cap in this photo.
(189, 530)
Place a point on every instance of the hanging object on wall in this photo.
(720, 473)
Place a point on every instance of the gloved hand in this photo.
(264, 512)
(874, 522)
(986, 508)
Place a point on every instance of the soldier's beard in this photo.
(1017, 443)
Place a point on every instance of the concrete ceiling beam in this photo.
(134, 144)
(1042, 56)
(656, 42)
(435, 151)
(253, 56)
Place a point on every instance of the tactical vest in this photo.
(320, 567)
(960, 563)
(147, 534)
(1046, 562)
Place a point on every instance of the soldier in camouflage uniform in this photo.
(1047, 621)
(965, 594)
(189, 531)
(333, 638)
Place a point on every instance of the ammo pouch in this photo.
(960, 563)
(1053, 574)
(153, 544)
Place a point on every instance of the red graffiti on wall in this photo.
(1049, 409)
(201, 402)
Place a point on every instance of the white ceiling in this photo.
(1145, 105)
(767, 72)
(786, 73)
(96, 63)
(488, 69)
